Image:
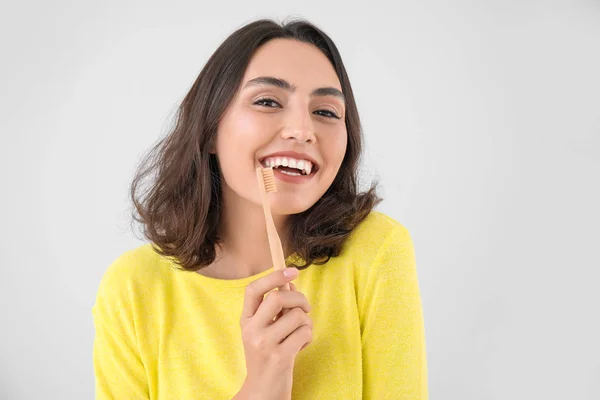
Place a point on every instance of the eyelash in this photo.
(332, 114)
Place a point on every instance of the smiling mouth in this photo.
(290, 170)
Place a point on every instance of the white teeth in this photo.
(290, 173)
(303, 165)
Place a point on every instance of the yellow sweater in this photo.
(162, 333)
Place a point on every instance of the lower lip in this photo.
(292, 178)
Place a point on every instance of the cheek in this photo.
(246, 126)
(235, 128)
(240, 134)
(336, 148)
(239, 137)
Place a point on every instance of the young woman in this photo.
(193, 314)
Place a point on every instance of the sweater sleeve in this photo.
(392, 324)
(118, 368)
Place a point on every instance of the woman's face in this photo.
(264, 119)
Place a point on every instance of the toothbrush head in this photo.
(268, 179)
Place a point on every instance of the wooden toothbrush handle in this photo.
(274, 242)
(276, 251)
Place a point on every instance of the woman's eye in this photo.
(328, 114)
(265, 100)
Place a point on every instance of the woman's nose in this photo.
(299, 126)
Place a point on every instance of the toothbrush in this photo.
(266, 182)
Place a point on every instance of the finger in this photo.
(287, 324)
(297, 340)
(293, 287)
(256, 290)
(277, 301)
(286, 286)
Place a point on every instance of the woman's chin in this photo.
(289, 208)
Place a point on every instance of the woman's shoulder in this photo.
(373, 235)
(379, 246)
(129, 286)
(136, 266)
(376, 228)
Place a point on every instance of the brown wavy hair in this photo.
(180, 209)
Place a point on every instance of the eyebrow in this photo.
(283, 84)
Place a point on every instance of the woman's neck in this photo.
(245, 249)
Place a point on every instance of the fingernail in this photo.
(290, 271)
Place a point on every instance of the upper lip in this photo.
(298, 156)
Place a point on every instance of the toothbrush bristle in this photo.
(269, 179)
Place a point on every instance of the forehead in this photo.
(301, 64)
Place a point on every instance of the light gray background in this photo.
(482, 124)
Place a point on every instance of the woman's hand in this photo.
(275, 329)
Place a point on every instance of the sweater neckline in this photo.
(233, 283)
